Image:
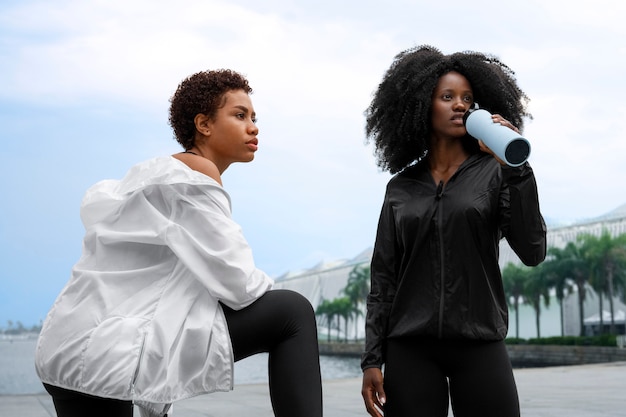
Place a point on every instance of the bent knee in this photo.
(293, 304)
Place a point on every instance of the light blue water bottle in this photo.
(506, 143)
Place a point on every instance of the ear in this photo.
(203, 124)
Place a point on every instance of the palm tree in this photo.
(535, 288)
(558, 278)
(620, 276)
(357, 288)
(607, 258)
(344, 308)
(591, 251)
(337, 308)
(513, 278)
(614, 265)
(327, 311)
(569, 262)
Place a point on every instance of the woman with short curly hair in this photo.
(436, 312)
(166, 295)
(201, 93)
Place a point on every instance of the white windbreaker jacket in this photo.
(139, 318)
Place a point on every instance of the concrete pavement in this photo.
(567, 391)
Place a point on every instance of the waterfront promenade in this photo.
(564, 391)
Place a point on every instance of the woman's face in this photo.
(451, 99)
(233, 131)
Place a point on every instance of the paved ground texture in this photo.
(568, 391)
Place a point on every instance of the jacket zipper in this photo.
(136, 374)
(440, 188)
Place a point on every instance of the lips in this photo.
(253, 144)
(457, 118)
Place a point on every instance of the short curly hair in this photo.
(202, 92)
(398, 119)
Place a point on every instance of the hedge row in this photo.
(603, 340)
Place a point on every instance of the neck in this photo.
(198, 151)
(444, 154)
(444, 158)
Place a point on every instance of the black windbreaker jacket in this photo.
(435, 265)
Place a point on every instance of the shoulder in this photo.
(200, 164)
(416, 172)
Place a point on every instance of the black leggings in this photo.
(281, 323)
(68, 403)
(421, 373)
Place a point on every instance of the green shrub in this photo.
(603, 340)
(515, 341)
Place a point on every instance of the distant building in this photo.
(593, 323)
(326, 280)
(558, 236)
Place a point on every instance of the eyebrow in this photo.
(453, 89)
(244, 109)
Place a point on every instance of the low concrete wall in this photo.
(552, 355)
(522, 356)
(341, 349)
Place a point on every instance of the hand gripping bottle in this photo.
(506, 143)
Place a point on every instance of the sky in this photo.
(85, 88)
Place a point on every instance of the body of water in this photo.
(18, 376)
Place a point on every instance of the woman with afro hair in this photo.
(166, 295)
(436, 312)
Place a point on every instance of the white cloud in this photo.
(138, 51)
(603, 15)
(314, 67)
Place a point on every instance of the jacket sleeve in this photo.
(521, 221)
(382, 291)
(202, 234)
